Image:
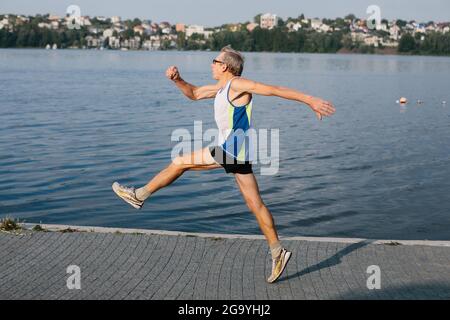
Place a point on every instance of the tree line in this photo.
(259, 40)
(31, 36)
(431, 44)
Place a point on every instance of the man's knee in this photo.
(180, 163)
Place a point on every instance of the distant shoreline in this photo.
(343, 51)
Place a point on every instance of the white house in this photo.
(372, 41)
(389, 43)
(395, 32)
(5, 23)
(151, 44)
(114, 42)
(357, 36)
(431, 28)
(190, 30)
(268, 21)
(325, 28)
(92, 42)
(382, 27)
(208, 34)
(154, 43)
(54, 25)
(108, 33)
(316, 24)
(293, 26)
(22, 19)
(44, 25)
(93, 30)
(409, 27)
(115, 19)
(166, 30)
(84, 21)
(132, 43)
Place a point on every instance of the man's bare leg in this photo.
(197, 160)
(250, 191)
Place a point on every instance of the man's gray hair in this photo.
(234, 60)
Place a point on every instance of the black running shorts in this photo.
(230, 164)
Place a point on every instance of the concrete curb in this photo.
(59, 228)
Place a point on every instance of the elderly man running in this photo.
(232, 111)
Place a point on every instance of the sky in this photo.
(217, 12)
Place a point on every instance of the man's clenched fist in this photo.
(172, 73)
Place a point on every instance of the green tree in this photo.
(197, 36)
(350, 16)
(2, 38)
(181, 40)
(257, 18)
(347, 42)
(279, 40)
(340, 23)
(32, 39)
(407, 43)
(136, 22)
(401, 23)
(129, 33)
(22, 38)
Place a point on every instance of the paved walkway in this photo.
(137, 264)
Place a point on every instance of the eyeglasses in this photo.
(217, 61)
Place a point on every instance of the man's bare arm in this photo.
(189, 90)
(319, 106)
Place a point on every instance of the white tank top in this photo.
(233, 123)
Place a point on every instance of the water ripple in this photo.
(371, 170)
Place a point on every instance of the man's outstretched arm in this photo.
(319, 106)
(189, 90)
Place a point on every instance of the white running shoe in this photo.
(128, 194)
(278, 265)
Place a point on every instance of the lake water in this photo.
(73, 122)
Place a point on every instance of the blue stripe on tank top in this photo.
(240, 126)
